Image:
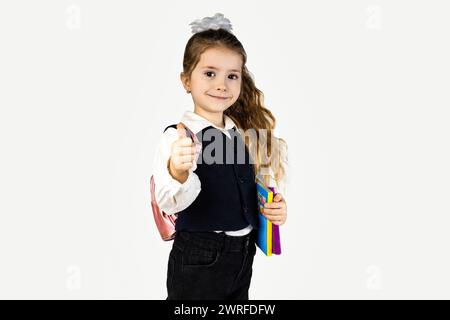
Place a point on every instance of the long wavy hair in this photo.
(269, 154)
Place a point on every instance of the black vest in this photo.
(227, 200)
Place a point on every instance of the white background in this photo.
(360, 90)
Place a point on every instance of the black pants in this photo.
(210, 265)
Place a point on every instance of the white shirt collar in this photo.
(197, 123)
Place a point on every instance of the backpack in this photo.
(166, 222)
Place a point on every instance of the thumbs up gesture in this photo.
(182, 155)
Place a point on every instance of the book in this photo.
(276, 241)
(264, 238)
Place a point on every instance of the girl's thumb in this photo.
(181, 131)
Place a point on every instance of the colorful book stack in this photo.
(268, 239)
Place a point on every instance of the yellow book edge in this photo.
(269, 229)
(269, 224)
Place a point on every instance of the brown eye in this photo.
(234, 75)
(208, 72)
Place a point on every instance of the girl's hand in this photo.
(276, 211)
(182, 156)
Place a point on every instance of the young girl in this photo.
(214, 198)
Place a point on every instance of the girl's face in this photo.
(215, 82)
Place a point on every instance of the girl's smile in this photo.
(218, 97)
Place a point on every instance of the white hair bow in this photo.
(216, 22)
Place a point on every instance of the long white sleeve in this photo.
(171, 195)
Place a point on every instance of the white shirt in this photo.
(171, 195)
